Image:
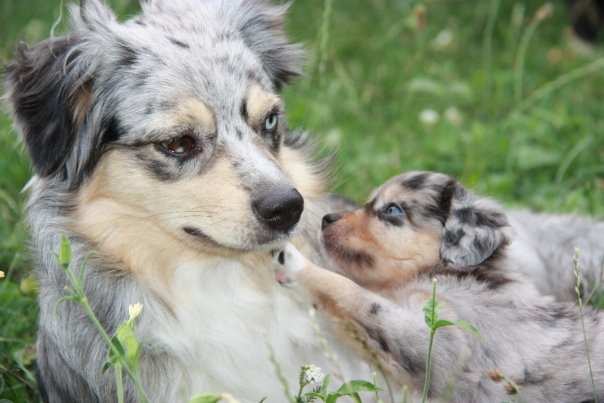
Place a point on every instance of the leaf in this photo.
(325, 384)
(106, 366)
(423, 85)
(430, 312)
(531, 157)
(128, 343)
(351, 389)
(442, 323)
(29, 285)
(358, 385)
(468, 327)
(207, 398)
(64, 252)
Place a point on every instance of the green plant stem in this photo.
(324, 41)
(519, 65)
(81, 298)
(558, 82)
(430, 343)
(578, 292)
(299, 395)
(487, 46)
(119, 383)
(279, 373)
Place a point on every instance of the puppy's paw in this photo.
(287, 263)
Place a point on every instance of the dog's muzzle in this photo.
(279, 209)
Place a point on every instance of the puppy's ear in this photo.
(474, 228)
(48, 94)
(263, 32)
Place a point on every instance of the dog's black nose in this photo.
(279, 209)
(329, 218)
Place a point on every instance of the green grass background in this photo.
(529, 127)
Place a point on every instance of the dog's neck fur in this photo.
(199, 306)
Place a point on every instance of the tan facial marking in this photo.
(194, 111)
(309, 183)
(259, 103)
(396, 253)
(131, 218)
(188, 111)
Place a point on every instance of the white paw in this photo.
(286, 264)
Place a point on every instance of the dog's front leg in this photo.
(392, 336)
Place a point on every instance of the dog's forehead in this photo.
(182, 52)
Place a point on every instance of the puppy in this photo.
(422, 226)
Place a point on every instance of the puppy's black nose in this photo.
(279, 209)
(328, 219)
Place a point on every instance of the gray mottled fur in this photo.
(534, 341)
(75, 97)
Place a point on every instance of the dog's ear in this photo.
(474, 227)
(47, 93)
(263, 32)
(49, 89)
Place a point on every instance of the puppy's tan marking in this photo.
(392, 254)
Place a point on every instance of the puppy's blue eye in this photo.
(271, 122)
(394, 210)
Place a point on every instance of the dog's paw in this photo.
(286, 264)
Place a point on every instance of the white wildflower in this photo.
(2, 274)
(312, 374)
(429, 117)
(442, 40)
(453, 115)
(134, 310)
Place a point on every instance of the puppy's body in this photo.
(392, 250)
(545, 244)
(160, 149)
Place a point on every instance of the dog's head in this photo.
(174, 114)
(413, 222)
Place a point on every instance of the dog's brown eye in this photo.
(180, 145)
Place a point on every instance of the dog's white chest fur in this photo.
(225, 325)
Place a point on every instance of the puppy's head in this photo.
(174, 115)
(413, 222)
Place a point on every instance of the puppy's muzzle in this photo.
(328, 219)
(279, 209)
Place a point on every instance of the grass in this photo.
(518, 107)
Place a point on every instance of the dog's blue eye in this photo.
(394, 210)
(271, 122)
